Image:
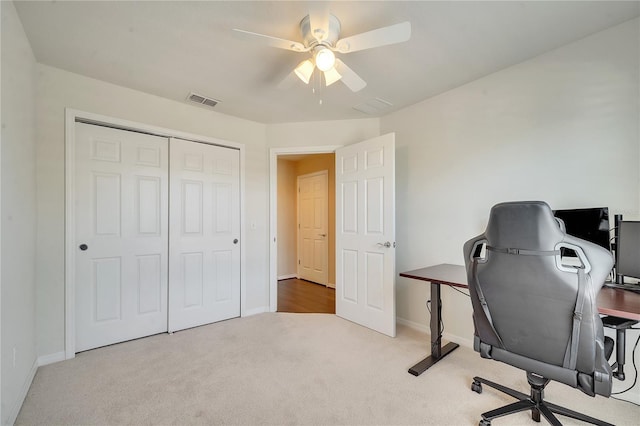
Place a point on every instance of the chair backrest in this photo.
(530, 309)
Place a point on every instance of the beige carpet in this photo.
(280, 369)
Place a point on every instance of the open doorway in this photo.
(305, 269)
(364, 234)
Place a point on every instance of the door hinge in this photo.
(298, 261)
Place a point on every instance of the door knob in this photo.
(83, 247)
(386, 244)
(235, 241)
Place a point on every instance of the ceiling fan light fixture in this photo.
(331, 76)
(304, 70)
(325, 59)
(320, 32)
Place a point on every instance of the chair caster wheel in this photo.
(484, 422)
(476, 387)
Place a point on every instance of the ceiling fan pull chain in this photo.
(319, 85)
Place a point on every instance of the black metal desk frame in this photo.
(445, 274)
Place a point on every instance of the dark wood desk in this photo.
(619, 303)
(611, 301)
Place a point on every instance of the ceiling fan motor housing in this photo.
(309, 36)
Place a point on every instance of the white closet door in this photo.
(204, 234)
(121, 217)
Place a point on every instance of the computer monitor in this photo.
(628, 249)
(591, 224)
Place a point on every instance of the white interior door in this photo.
(313, 251)
(121, 213)
(204, 268)
(365, 233)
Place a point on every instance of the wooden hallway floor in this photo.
(302, 296)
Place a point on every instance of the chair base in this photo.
(534, 402)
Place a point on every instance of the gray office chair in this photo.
(532, 311)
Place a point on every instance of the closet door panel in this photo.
(204, 234)
(121, 227)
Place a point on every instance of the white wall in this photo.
(18, 215)
(562, 127)
(321, 133)
(58, 89)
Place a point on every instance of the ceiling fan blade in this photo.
(381, 37)
(319, 20)
(349, 77)
(270, 41)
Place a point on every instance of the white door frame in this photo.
(70, 243)
(273, 210)
(299, 250)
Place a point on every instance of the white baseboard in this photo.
(17, 405)
(255, 311)
(459, 340)
(51, 358)
(40, 361)
(287, 277)
(425, 329)
(414, 325)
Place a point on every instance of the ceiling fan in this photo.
(321, 37)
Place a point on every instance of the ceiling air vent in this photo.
(202, 100)
(373, 106)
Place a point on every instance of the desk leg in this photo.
(437, 351)
(436, 321)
